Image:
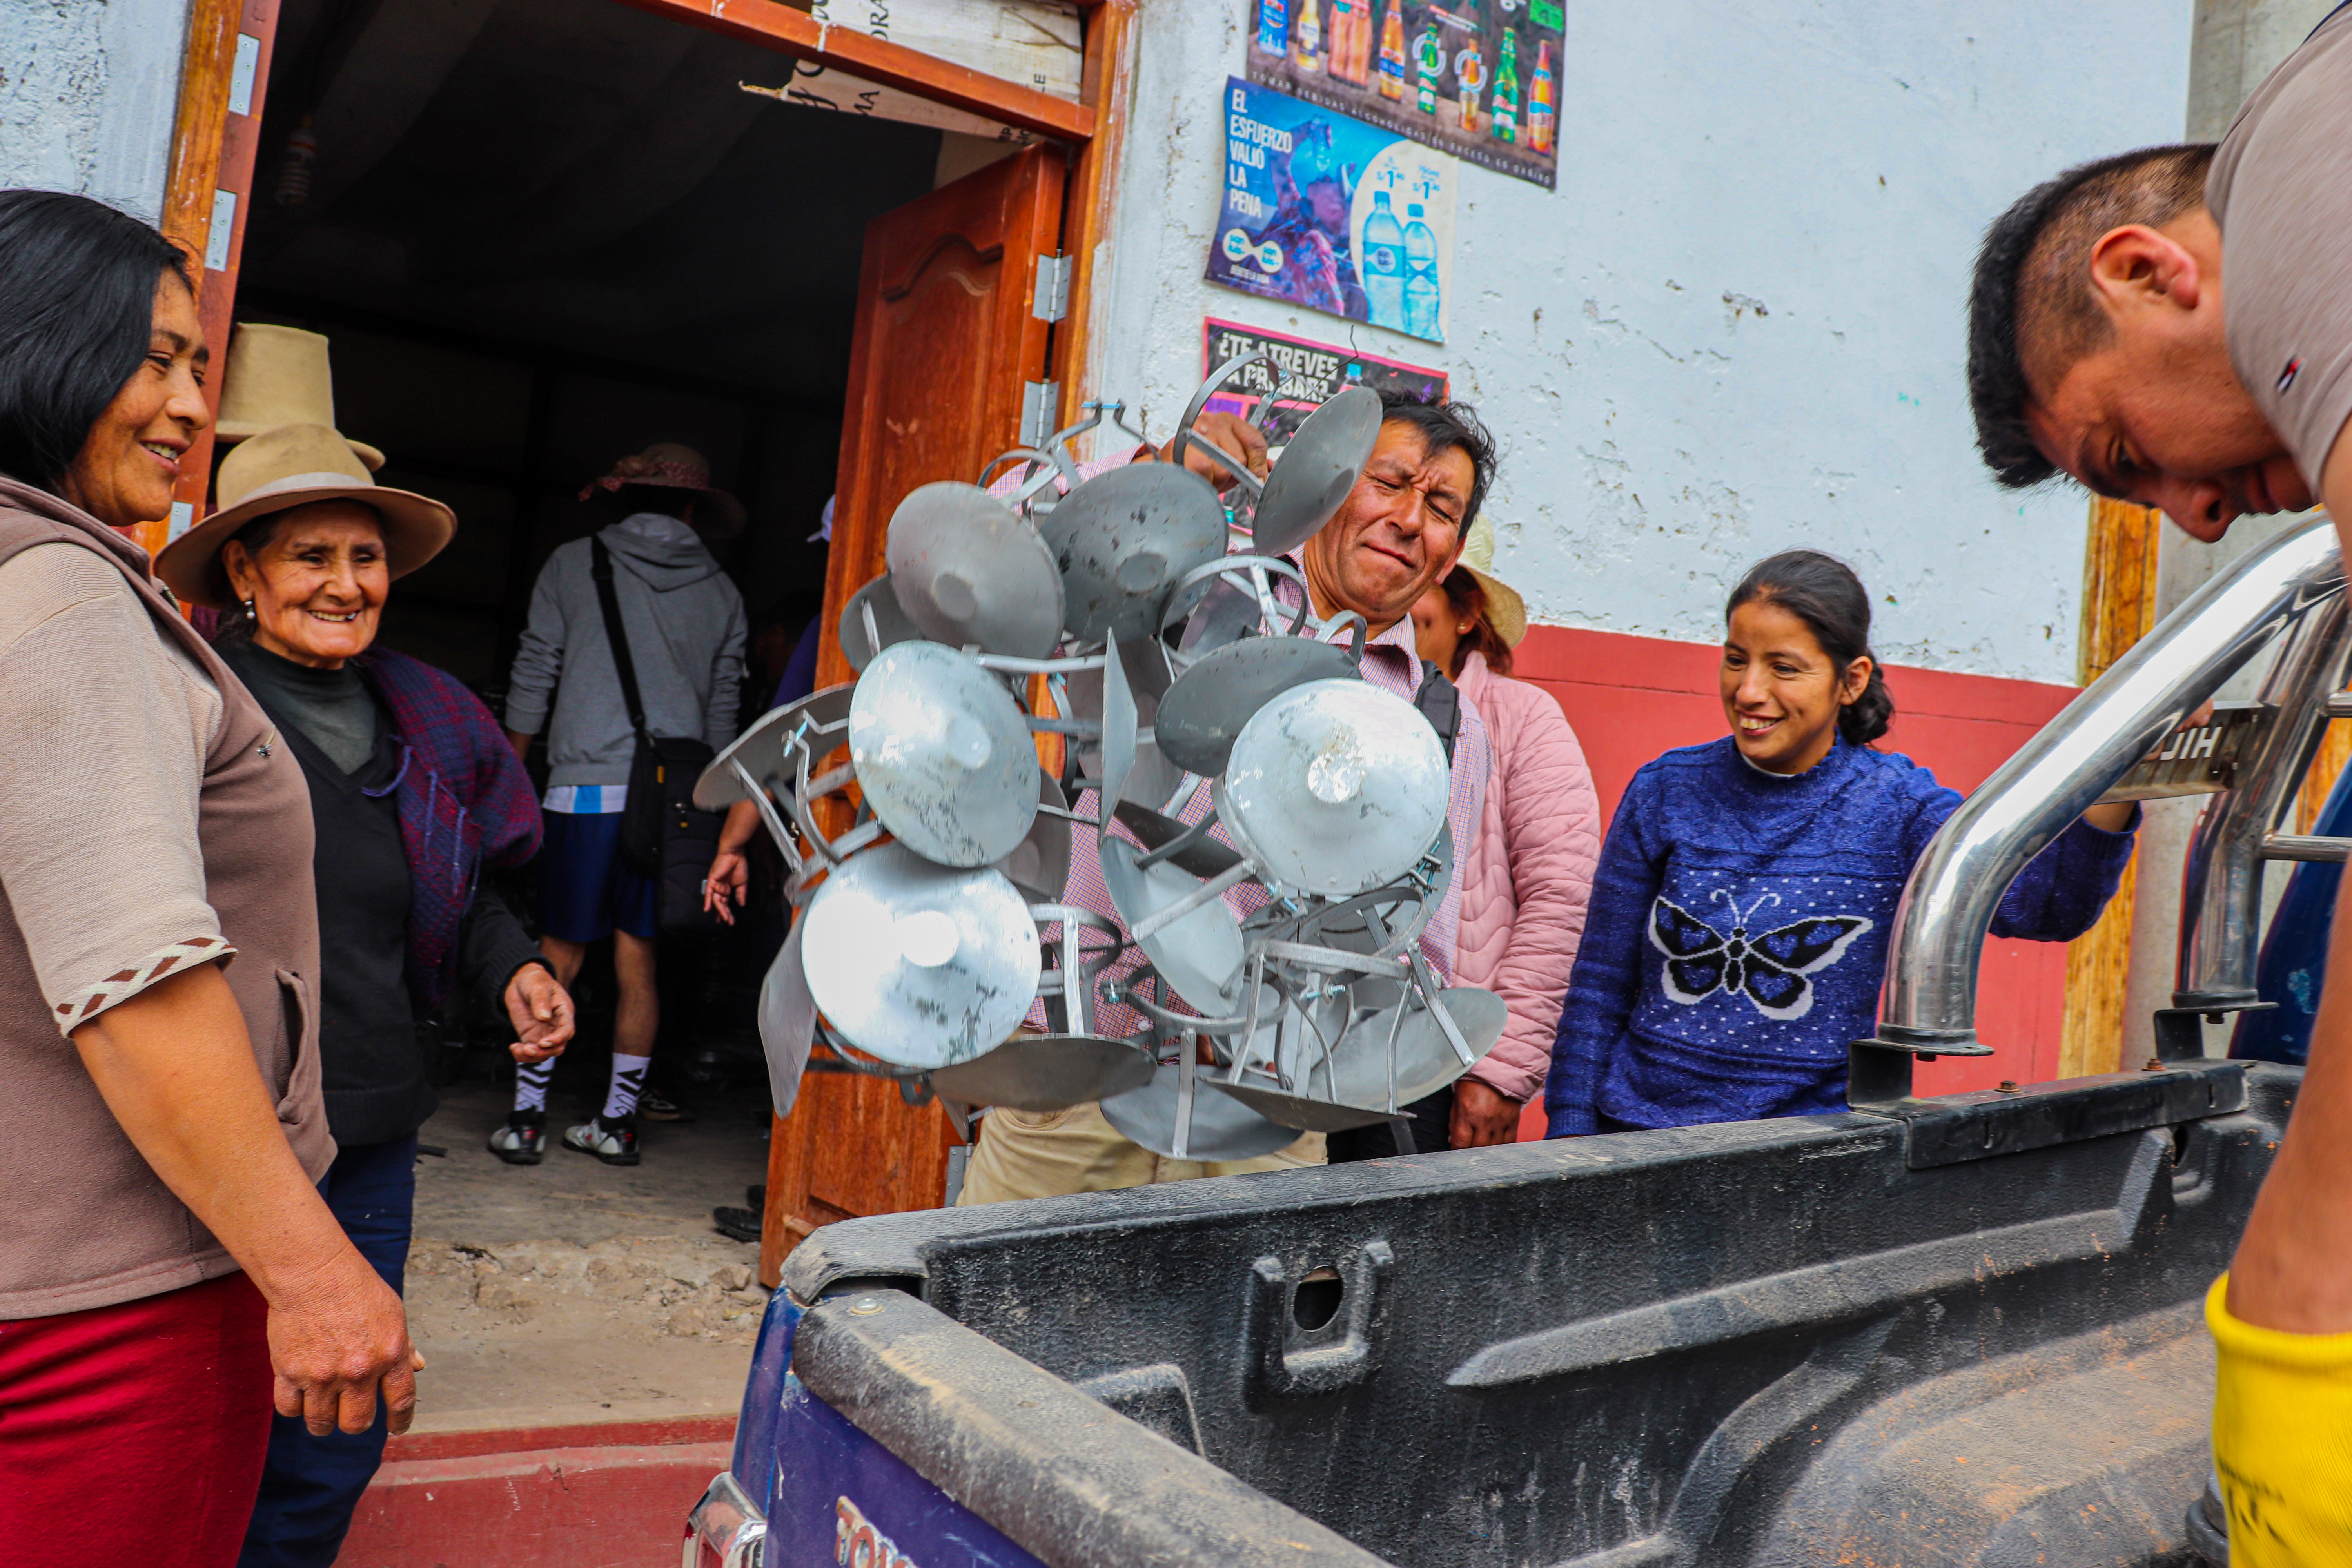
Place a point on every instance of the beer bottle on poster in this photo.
(1307, 38)
(1429, 66)
(1505, 124)
(1469, 76)
(1543, 115)
(1351, 41)
(1421, 296)
(1392, 51)
(1383, 254)
(1274, 26)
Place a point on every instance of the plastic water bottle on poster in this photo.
(1382, 248)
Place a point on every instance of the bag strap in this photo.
(1439, 701)
(617, 636)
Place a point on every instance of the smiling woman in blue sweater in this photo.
(1741, 913)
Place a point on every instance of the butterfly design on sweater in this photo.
(1769, 969)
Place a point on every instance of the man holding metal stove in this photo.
(2099, 347)
(1398, 529)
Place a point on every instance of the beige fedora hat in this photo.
(289, 466)
(277, 376)
(667, 465)
(1505, 611)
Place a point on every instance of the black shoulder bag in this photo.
(663, 837)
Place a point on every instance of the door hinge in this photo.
(1041, 403)
(1051, 301)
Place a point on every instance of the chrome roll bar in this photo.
(2294, 585)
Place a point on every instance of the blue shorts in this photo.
(585, 888)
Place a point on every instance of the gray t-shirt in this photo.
(2280, 189)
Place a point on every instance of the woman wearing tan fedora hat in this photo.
(412, 790)
(1526, 877)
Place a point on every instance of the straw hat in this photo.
(1505, 611)
(669, 466)
(275, 376)
(291, 467)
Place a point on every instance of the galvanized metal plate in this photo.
(1200, 955)
(890, 623)
(1121, 542)
(968, 570)
(1315, 471)
(919, 965)
(765, 752)
(1426, 1061)
(1040, 1073)
(1204, 856)
(1219, 1128)
(1040, 864)
(1298, 1111)
(943, 754)
(787, 1022)
(1210, 703)
(1335, 787)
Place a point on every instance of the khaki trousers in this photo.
(1021, 1156)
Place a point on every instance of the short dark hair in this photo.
(1448, 426)
(1822, 592)
(2033, 288)
(77, 314)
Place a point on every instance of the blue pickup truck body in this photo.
(1963, 1331)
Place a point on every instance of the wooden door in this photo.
(944, 345)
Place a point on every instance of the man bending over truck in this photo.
(2098, 346)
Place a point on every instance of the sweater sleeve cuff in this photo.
(1571, 1122)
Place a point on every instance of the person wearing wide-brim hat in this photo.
(412, 789)
(684, 630)
(1527, 873)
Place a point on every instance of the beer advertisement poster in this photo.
(1478, 78)
(1335, 214)
(1306, 376)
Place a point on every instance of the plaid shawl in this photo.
(464, 798)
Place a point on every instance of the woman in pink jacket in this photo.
(1527, 876)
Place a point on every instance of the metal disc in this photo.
(1040, 864)
(890, 622)
(1203, 858)
(1210, 703)
(943, 754)
(1315, 471)
(1335, 787)
(1221, 1128)
(1200, 955)
(967, 569)
(762, 751)
(787, 1022)
(1308, 1115)
(1123, 539)
(1358, 1074)
(917, 963)
(1039, 1073)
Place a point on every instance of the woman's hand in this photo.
(1482, 1117)
(540, 1011)
(334, 1341)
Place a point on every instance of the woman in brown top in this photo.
(163, 1254)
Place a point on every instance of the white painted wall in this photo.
(1832, 161)
(87, 89)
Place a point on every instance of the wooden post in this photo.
(2118, 608)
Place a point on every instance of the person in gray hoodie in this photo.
(683, 621)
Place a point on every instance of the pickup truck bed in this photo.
(1964, 1330)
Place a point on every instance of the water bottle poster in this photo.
(1306, 374)
(1333, 213)
(1478, 78)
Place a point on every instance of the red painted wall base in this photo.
(1630, 698)
(582, 1496)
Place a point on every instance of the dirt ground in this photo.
(573, 1291)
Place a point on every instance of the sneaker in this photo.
(523, 1140)
(744, 1224)
(615, 1143)
(755, 1197)
(655, 1108)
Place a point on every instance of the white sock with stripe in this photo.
(628, 1079)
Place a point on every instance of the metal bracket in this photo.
(1040, 401)
(2180, 1038)
(1051, 299)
